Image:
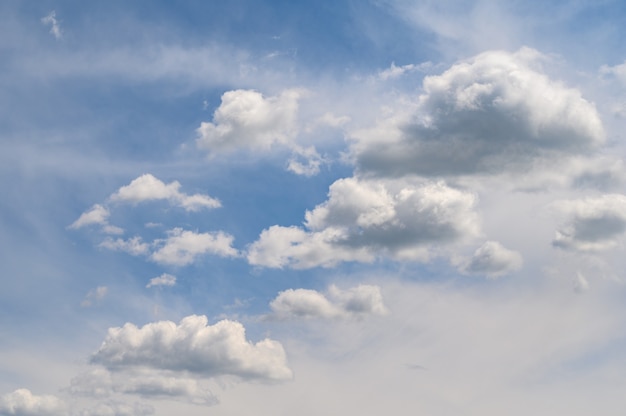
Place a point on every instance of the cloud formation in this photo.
(55, 27)
(247, 120)
(496, 112)
(181, 247)
(592, 224)
(149, 188)
(492, 260)
(164, 280)
(357, 301)
(22, 402)
(366, 219)
(195, 347)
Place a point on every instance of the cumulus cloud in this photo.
(55, 27)
(496, 112)
(305, 303)
(492, 260)
(193, 347)
(97, 214)
(163, 280)
(22, 402)
(181, 247)
(149, 188)
(366, 219)
(247, 120)
(592, 224)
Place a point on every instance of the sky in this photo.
(316, 207)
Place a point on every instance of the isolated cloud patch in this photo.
(493, 113)
(22, 402)
(149, 188)
(195, 347)
(492, 260)
(181, 247)
(592, 224)
(358, 301)
(366, 219)
(163, 280)
(247, 120)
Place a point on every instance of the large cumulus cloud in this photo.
(366, 219)
(496, 112)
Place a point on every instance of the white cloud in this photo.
(163, 280)
(55, 27)
(22, 402)
(97, 214)
(592, 224)
(193, 347)
(366, 219)
(492, 260)
(247, 120)
(94, 295)
(305, 303)
(133, 246)
(397, 71)
(181, 247)
(494, 113)
(305, 161)
(149, 188)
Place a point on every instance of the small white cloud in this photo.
(592, 224)
(193, 347)
(305, 161)
(354, 302)
(55, 27)
(181, 247)
(133, 246)
(94, 295)
(149, 188)
(397, 71)
(163, 280)
(22, 402)
(492, 260)
(97, 214)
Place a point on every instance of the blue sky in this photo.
(355, 207)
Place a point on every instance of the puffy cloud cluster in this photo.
(493, 113)
(364, 219)
(195, 347)
(149, 188)
(180, 248)
(247, 120)
(23, 402)
(492, 260)
(592, 224)
(144, 188)
(357, 301)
